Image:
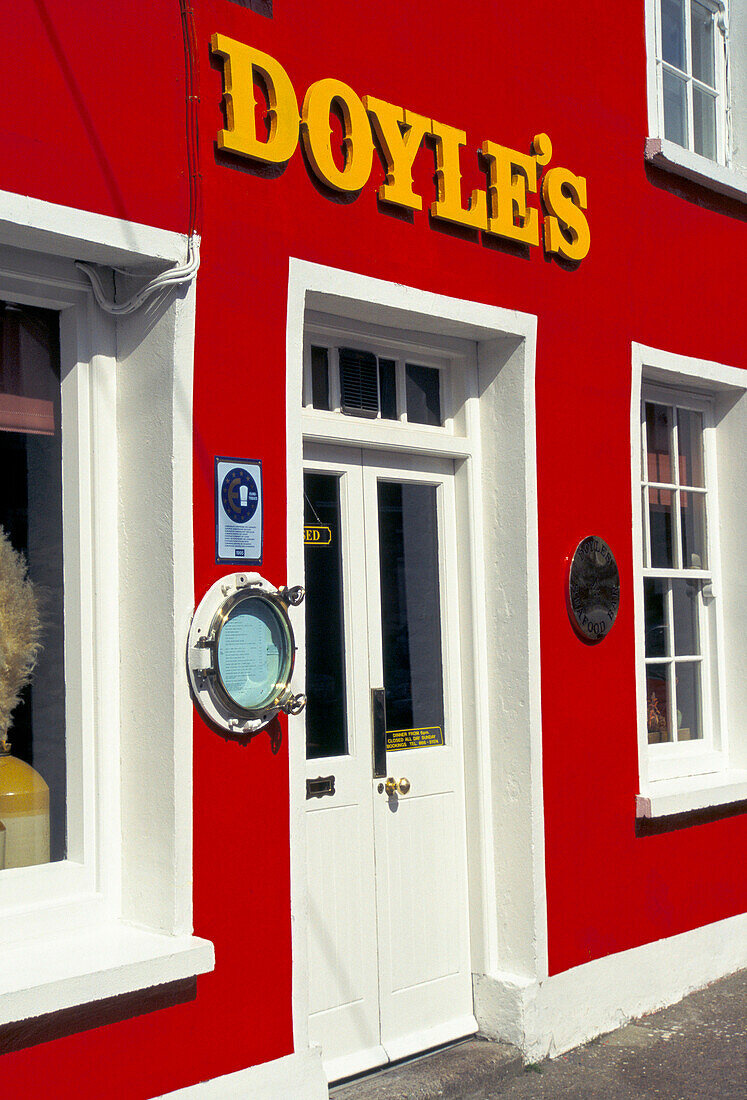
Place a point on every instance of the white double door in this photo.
(389, 964)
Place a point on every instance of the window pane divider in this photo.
(333, 367)
(678, 574)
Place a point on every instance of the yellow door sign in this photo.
(314, 535)
(424, 738)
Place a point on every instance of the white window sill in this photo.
(53, 972)
(681, 162)
(697, 792)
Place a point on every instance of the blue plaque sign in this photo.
(238, 511)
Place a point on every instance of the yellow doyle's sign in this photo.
(502, 208)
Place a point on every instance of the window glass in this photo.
(32, 769)
(658, 704)
(701, 28)
(704, 123)
(659, 443)
(694, 553)
(320, 378)
(657, 626)
(689, 723)
(423, 390)
(690, 446)
(675, 108)
(387, 389)
(673, 32)
(685, 595)
(660, 508)
(326, 710)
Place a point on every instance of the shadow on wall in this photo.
(695, 193)
(652, 826)
(113, 1010)
(261, 7)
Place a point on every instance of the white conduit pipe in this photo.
(182, 273)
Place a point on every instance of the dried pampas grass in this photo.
(20, 629)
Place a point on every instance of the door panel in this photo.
(424, 972)
(388, 940)
(344, 1008)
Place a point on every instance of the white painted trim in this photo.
(296, 1077)
(549, 1017)
(507, 341)
(533, 639)
(73, 968)
(651, 81)
(117, 914)
(662, 796)
(683, 162)
(696, 792)
(57, 230)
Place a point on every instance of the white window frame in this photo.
(671, 759)
(452, 358)
(723, 174)
(677, 777)
(115, 915)
(718, 12)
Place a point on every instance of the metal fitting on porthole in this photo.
(241, 652)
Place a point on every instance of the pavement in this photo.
(694, 1050)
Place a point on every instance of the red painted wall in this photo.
(92, 115)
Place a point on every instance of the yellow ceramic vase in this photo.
(24, 811)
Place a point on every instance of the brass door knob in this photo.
(393, 786)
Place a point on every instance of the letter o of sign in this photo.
(357, 140)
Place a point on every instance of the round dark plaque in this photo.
(593, 589)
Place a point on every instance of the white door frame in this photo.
(505, 817)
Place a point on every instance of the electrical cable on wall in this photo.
(182, 273)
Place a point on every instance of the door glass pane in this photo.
(673, 32)
(694, 554)
(690, 442)
(704, 123)
(410, 606)
(657, 631)
(658, 706)
(660, 503)
(326, 711)
(702, 42)
(423, 389)
(685, 596)
(675, 109)
(33, 777)
(689, 724)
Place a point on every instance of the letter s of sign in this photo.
(240, 63)
(316, 134)
(566, 227)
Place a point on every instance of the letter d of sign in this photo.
(240, 63)
(357, 138)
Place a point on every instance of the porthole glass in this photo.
(253, 653)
